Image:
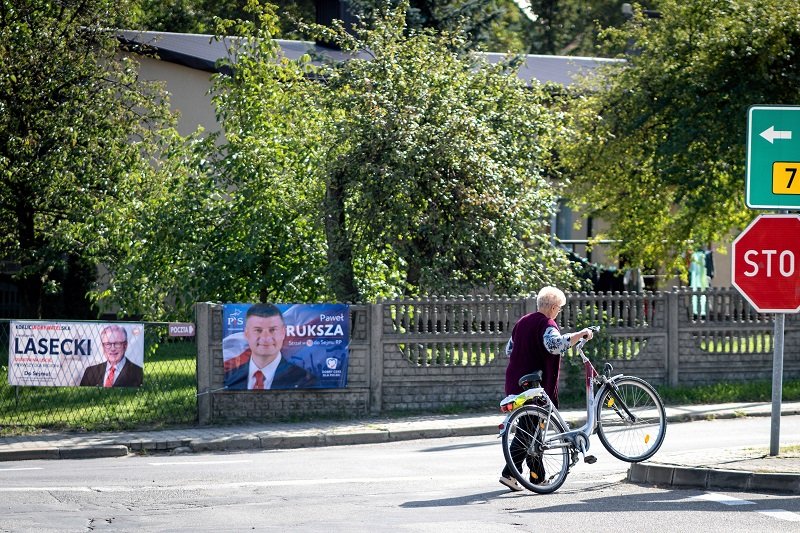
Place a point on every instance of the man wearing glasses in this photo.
(117, 370)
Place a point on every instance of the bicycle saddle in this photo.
(530, 381)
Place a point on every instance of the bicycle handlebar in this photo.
(579, 345)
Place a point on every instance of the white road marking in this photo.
(192, 463)
(228, 486)
(780, 514)
(49, 489)
(722, 498)
(603, 479)
(18, 469)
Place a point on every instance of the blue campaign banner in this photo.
(312, 340)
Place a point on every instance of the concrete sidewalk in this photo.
(735, 469)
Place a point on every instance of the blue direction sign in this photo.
(773, 157)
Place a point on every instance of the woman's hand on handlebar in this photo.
(581, 337)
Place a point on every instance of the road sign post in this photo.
(777, 384)
(773, 157)
(766, 271)
(772, 182)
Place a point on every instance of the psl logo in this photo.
(332, 363)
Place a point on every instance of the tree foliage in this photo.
(481, 22)
(408, 170)
(201, 16)
(232, 217)
(554, 27)
(75, 122)
(569, 27)
(437, 167)
(662, 152)
(268, 168)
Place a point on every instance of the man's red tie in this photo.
(259, 380)
(110, 377)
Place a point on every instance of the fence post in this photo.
(204, 366)
(530, 307)
(673, 343)
(375, 357)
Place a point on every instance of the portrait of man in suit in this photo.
(117, 370)
(261, 365)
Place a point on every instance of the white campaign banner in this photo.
(68, 354)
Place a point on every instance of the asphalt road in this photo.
(428, 485)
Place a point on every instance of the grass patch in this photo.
(165, 399)
(451, 354)
(758, 343)
(751, 391)
(727, 392)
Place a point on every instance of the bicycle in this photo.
(626, 412)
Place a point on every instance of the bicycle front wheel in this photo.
(535, 449)
(631, 421)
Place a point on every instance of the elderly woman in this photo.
(537, 344)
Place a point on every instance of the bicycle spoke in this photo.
(631, 420)
(537, 458)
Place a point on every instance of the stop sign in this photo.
(766, 263)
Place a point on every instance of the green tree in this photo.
(482, 22)
(75, 122)
(569, 27)
(268, 167)
(411, 170)
(199, 16)
(662, 150)
(233, 217)
(437, 168)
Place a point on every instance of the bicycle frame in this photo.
(551, 448)
(579, 437)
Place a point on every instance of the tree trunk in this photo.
(340, 249)
(29, 282)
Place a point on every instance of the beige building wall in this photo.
(189, 93)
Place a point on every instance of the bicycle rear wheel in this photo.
(631, 421)
(537, 457)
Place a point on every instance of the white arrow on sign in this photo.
(770, 134)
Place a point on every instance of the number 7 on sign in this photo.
(784, 177)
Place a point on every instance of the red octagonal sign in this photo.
(766, 263)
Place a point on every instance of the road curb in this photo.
(724, 415)
(29, 454)
(239, 442)
(72, 452)
(712, 479)
(116, 450)
(371, 435)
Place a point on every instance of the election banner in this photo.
(285, 346)
(67, 354)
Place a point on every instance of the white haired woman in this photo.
(537, 344)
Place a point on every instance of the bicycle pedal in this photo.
(590, 459)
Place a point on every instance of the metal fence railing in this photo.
(167, 395)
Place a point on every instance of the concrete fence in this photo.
(433, 352)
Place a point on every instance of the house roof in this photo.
(202, 52)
